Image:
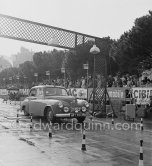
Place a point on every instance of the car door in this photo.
(40, 102)
(36, 104)
(32, 100)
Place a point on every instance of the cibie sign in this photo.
(142, 94)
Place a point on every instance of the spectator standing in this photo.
(78, 83)
(119, 82)
(129, 82)
(111, 81)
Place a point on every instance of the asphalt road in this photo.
(106, 145)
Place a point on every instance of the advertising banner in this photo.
(114, 93)
(81, 93)
(142, 94)
(78, 92)
(3, 92)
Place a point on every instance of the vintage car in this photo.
(53, 102)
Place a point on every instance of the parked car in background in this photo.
(53, 102)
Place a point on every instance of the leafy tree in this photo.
(27, 69)
(135, 45)
(49, 61)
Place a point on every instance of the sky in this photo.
(99, 18)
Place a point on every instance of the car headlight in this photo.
(86, 104)
(77, 109)
(60, 104)
(66, 109)
(84, 109)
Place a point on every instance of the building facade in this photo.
(22, 56)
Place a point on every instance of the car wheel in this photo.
(81, 119)
(50, 115)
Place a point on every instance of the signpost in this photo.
(10, 79)
(48, 74)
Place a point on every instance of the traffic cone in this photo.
(31, 125)
(50, 130)
(141, 154)
(17, 119)
(141, 125)
(83, 148)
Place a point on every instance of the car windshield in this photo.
(53, 91)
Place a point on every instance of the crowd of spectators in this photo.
(129, 81)
(112, 81)
(116, 81)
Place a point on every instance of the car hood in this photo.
(68, 99)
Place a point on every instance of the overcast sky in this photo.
(99, 18)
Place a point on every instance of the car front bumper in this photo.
(70, 115)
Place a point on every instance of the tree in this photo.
(135, 45)
(27, 69)
(49, 61)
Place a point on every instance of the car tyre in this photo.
(80, 119)
(50, 115)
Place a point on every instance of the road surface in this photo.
(106, 145)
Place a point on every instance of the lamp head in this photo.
(94, 49)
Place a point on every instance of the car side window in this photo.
(33, 92)
(40, 92)
(50, 91)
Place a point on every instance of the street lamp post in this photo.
(105, 95)
(86, 67)
(63, 71)
(24, 81)
(17, 77)
(94, 50)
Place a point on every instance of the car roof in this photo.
(44, 86)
